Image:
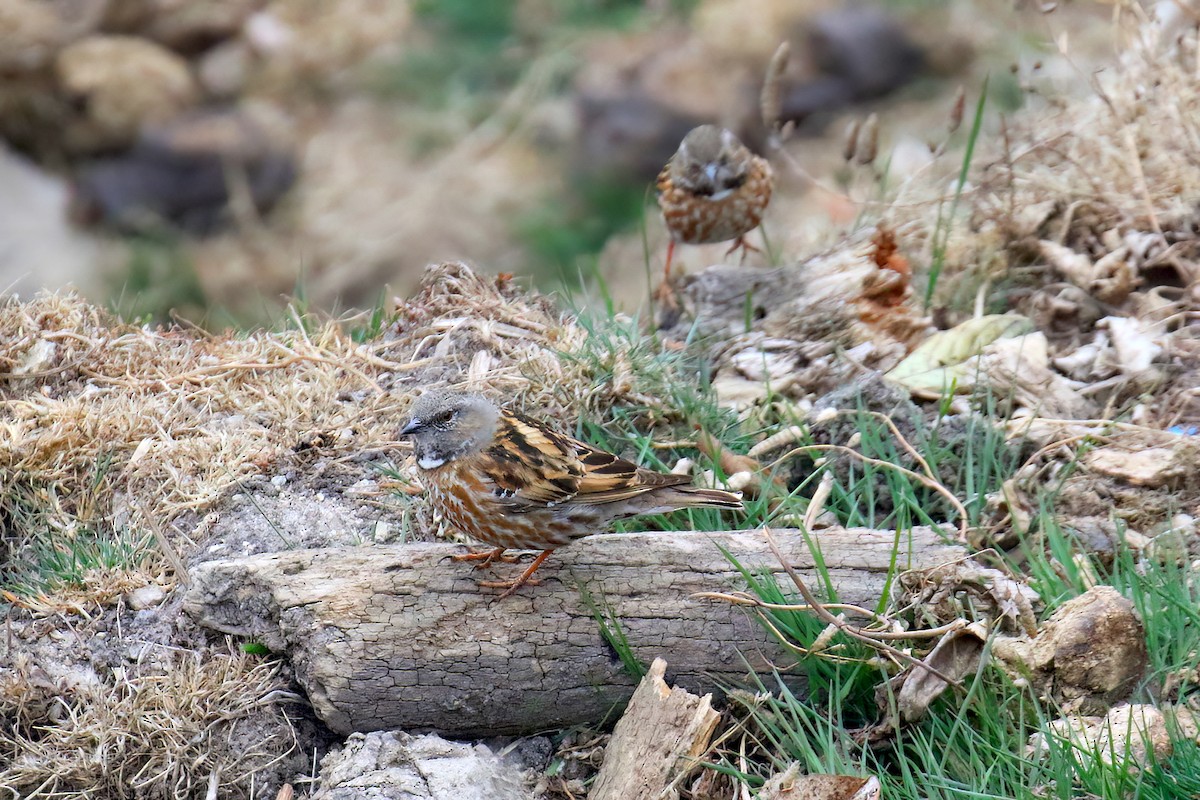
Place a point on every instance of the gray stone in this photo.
(392, 765)
(38, 247)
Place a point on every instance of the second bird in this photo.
(713, 190)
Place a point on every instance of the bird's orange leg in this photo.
(663, 293)
(512, 586)
(487, 557)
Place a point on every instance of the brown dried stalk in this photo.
(771, 99)
(858, 634)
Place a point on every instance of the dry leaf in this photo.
(1134, 344)
(942, 359)
(956, 655)
(1109, 280)
(753, 481)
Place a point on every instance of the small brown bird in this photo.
(712, 190)
(511, 482)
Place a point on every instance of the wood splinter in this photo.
(662, 733)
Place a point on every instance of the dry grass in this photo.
(1113, 170)
(113, 430)
(179, 415)
(198, 724)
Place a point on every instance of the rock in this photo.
(32, 31)
(180, 173)
(145, 597)
(1124, 737)
(639, 93)
(124, 83)
(184, 26)
(38, 247)
(1152, 466)
(1093, 649)
(190, 27)
(224, 69)
(1172, 541)
(858, 53)
(630, 135)
(391, 765)
(1097, 536)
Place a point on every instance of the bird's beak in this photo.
(410, 427)
(711, 171)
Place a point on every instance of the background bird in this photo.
(713, 190)
(511, 482)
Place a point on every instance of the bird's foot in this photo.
(665, 298)
(511, 586)
(740, 243)
(486, 557)
(664, 295)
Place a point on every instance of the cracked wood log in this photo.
(401, 637)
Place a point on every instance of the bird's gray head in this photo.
(710, 162)
(449, 425)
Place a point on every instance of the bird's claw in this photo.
(486, 557)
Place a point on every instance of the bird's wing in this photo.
(663, 182)
(529, 465)
(608, 478)
(533, 467)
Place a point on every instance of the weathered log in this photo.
(402, 637)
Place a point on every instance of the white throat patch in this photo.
(427, 462)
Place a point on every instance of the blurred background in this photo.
(220, 159)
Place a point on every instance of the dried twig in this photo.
(929, 483)
(771, 98)
(858, 634)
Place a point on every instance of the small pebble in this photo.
(145, 597)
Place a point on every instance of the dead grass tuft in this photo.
(178, 416)
(484, 334)
(1112, 175)
(200, 725)
(463, 328)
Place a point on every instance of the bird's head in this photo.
(449, 425)
(710, 162)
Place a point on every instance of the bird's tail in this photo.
(696, 497)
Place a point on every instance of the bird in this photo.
(511, 482)
(714, 189)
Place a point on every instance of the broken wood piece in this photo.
(661, 734)
(401, 637)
